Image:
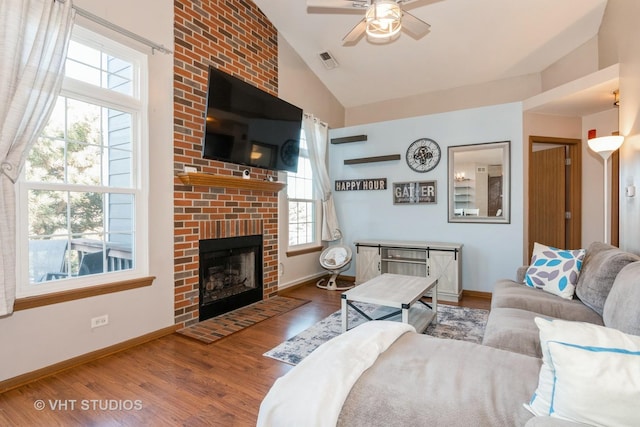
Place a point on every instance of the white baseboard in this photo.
(300, 280)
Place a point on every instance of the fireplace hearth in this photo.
(230, 274)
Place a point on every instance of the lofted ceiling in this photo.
(470, 42)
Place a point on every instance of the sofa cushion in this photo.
(590, 374)
(421, 380)
(554, 270)
(509, 294)
(513, 330)
(601, 265)
(622, 307)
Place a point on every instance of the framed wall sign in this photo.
(414, 192)
(360, 184)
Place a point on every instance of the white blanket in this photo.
(297, 398)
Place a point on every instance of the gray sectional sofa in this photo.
(415, 379)
(603, 297)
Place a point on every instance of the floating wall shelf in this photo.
(372, 159)
(346, 139)
(228, 181)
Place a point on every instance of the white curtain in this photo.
(317, 142)
(34, 36)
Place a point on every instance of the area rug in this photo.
(218, 327)
(461, 323)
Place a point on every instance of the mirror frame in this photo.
(505, 218)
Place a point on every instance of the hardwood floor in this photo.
(173, 380)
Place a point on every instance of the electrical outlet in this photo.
(103, 320)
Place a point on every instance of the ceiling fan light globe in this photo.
(383, 20)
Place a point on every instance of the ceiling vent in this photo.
(328, 60)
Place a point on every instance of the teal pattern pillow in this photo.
(554, 270)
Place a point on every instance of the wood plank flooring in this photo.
(173, 380)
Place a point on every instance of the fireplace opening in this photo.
(230, 274)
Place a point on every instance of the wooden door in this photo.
(538, 172)
(495, 195)
(547, 198)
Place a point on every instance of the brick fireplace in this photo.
(237, 38)
(230, 274)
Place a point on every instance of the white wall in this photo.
(298, 85)
(490, 93)
(619, 39)
(581, 62)
(35, 338)
(491, 251)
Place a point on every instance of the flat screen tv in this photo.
(247, 126)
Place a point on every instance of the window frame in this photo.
(137, 106)
(317, 206)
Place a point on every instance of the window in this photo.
(81, 192)
(303, 206)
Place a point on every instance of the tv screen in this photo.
(247, 126)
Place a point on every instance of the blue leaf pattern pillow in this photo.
(554, 270)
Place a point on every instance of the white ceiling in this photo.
(470, 42)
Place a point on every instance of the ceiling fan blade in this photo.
(355, 33)
(419, 3)
(337, 4)
(415, 26)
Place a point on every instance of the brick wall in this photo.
(236, 37)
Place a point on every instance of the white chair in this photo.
(335, 259)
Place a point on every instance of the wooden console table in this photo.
(439, 260)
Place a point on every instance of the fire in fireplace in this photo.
(230, 274)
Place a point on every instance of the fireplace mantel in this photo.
(228, 181)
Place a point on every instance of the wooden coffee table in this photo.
(396, 291)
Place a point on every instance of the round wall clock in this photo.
(423, 155)
(289, 152)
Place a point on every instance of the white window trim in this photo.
(317, 221)
(140, 172)
(317, 227)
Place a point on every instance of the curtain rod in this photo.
(98, 20)
(315, 119)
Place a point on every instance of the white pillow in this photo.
(590, 374)
(540, 403)
(554, 270)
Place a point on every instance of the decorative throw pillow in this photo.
(590, 374)
(554, 270)
(601, 265)
(621, 309)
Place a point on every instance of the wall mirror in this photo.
(479, 178)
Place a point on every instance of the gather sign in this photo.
(414, 192)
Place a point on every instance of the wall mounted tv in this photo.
(247, 126)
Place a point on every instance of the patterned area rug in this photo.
(218, 327)
(461, 323)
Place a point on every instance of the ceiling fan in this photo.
(382, 22)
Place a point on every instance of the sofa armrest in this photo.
(520, 273)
